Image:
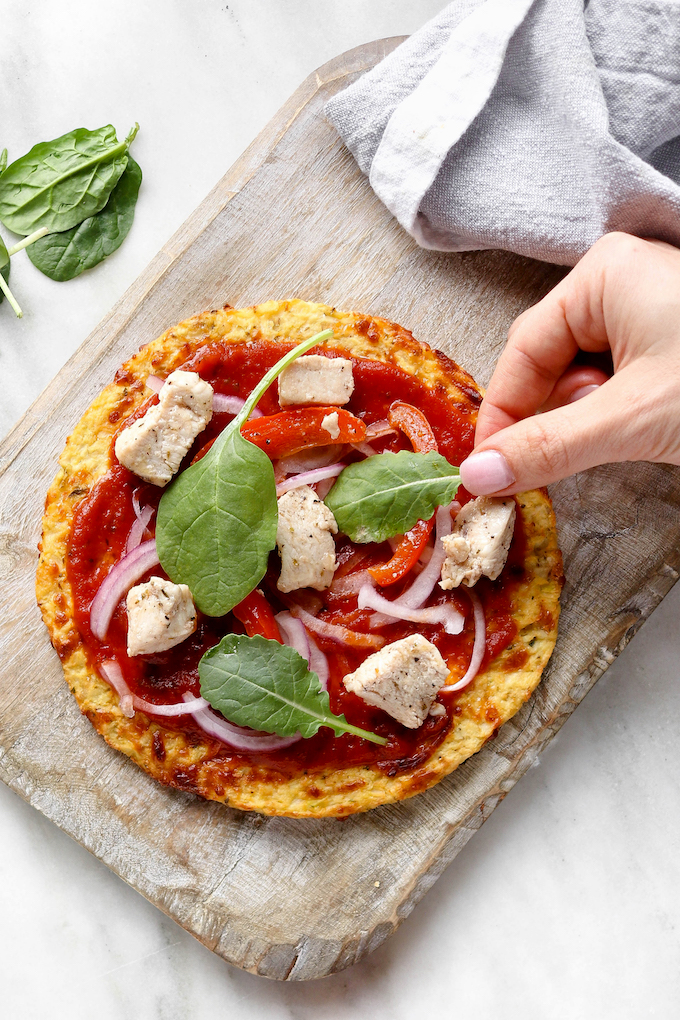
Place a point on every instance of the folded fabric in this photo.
(530, 125)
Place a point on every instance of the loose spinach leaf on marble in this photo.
(268, 686)
(3, 161)
(217, 520)
(65, 255)
(59, 183)
(385, 495)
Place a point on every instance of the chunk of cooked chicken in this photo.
(402, 678)
(160, 615)
(304, 537)
(480, 540)
(153, 446)
(314, 379)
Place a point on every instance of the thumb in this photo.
(624, 419)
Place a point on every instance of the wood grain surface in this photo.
(282, 898)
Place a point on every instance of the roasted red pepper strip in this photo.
(415, 425)
(281, 435)
(257, 617)
(406, 555)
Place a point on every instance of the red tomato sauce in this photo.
(103, 521)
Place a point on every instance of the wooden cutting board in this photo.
(283, 898)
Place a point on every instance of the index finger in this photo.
(542, 343)
(540, 348)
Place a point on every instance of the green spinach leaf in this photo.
(59, 183)
(266, 685)
(3, 161)
(217, 520)
(385, 495)
(67, 254)
(217, 524)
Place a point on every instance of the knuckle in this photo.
(617, 248)
(615, 240)
(547, 449)
(531, 366)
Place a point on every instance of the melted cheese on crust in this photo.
(496, 693)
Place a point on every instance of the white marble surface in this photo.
(565, 905)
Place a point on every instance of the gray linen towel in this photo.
(531, 125)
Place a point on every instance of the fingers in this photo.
(626, 418)
(576, 382)
(540, 347)
(623, 297)
(542, 343)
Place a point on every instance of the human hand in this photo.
(623, 295)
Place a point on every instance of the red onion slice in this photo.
(365, 448)
(345, 636)
(113, 675)
(137, 530)
(418, 593)
(136, 505)
(318, 663)
(223, 403)
(199, 708)
(379, 429)
(451, 619)
(129, 702)
(323, 487)
(295, 635)
(351, 584)
(477, 648)
(309, 460)
(309, 477)
(119, 580)
(185, 707)
(237, 736)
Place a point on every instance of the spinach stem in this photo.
(266, 380)
(35, 236)
(366, 734)
(132, 134)
(10, 297)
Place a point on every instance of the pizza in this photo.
(420, 644)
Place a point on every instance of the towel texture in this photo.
(530, 125)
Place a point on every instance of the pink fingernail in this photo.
(486, 472)
(583, 391)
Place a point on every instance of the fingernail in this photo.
(486, 472)
(583, 391)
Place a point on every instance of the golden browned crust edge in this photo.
(495, 695)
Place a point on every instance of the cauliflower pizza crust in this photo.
(198, 763)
